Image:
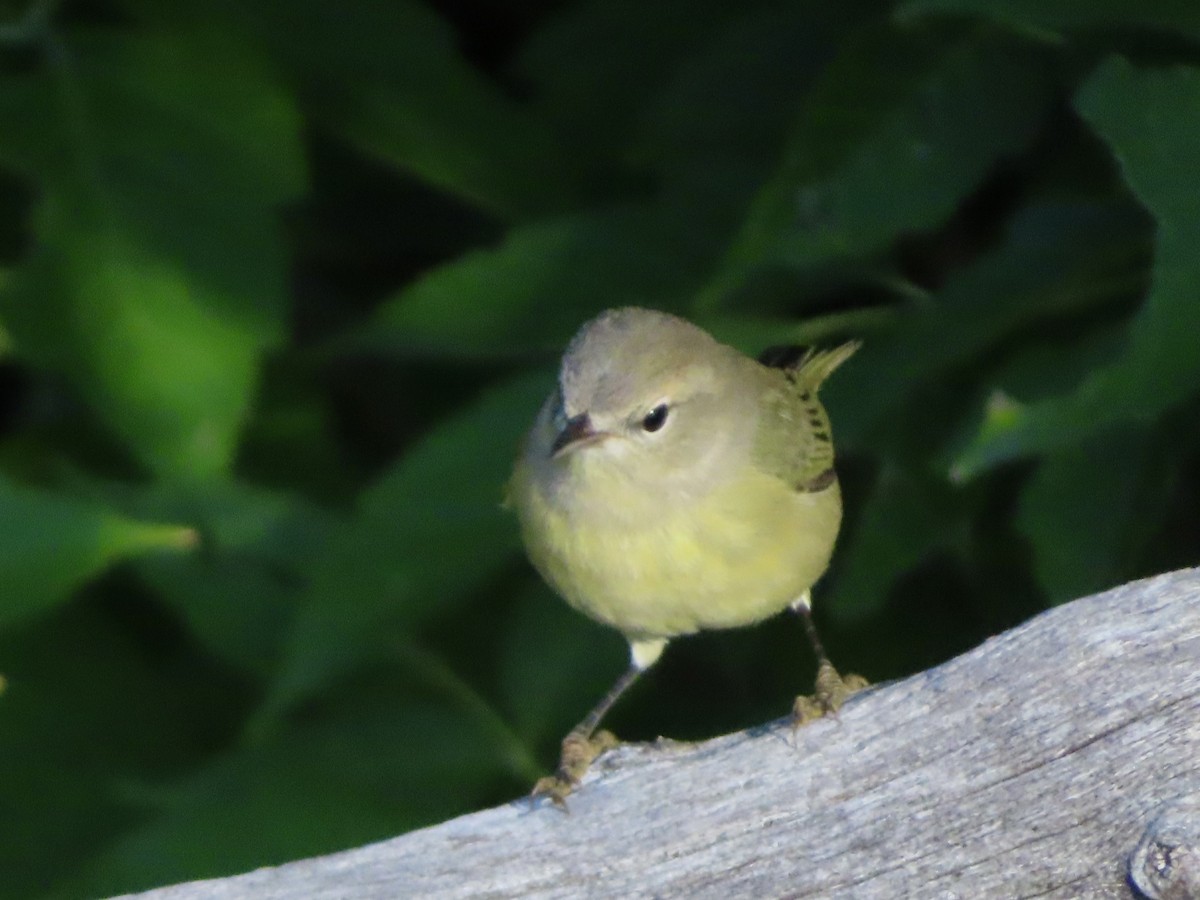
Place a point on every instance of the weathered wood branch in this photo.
(1061, 759)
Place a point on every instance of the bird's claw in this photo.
(831, 691)
(579, 751)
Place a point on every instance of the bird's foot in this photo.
(579, 751)
(831, 691)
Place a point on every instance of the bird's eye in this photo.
(655, 419)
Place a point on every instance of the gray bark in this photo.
(1061, 759)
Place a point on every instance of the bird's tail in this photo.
(810, 369)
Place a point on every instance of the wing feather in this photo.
(794, 441)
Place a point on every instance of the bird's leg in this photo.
(831, 689)
(584, 743)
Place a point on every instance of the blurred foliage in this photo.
(282, 283)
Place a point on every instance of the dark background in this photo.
(283, 282)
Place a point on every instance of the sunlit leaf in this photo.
(49, 545)
(543, 282)
(159, 275)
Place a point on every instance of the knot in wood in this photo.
(1166, 862)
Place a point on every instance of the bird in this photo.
(671, 484)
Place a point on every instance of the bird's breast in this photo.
(731, 557)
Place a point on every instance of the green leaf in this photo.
(554, 664)
(387, 76)
(50, 545)
(905, 520)
(159, 276)
(542, 283)
(281, 529)
(890, 143)
(168, 377)
(1060, 16)
(1149, 119)
(237, 607)
(97, 700)
(1057, 259)
(239, 596)
(772, 55)
(369, 771)
(426, 534)
(752, 334)
(593, 65)
(1084, 515)
(1049, 364)
(6, 345)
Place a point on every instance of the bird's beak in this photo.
(578, 429)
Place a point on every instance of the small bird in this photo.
(671, 484)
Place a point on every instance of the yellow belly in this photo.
(734, 557)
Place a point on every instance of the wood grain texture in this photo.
(1032, 766)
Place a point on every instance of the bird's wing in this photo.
(794, 442)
